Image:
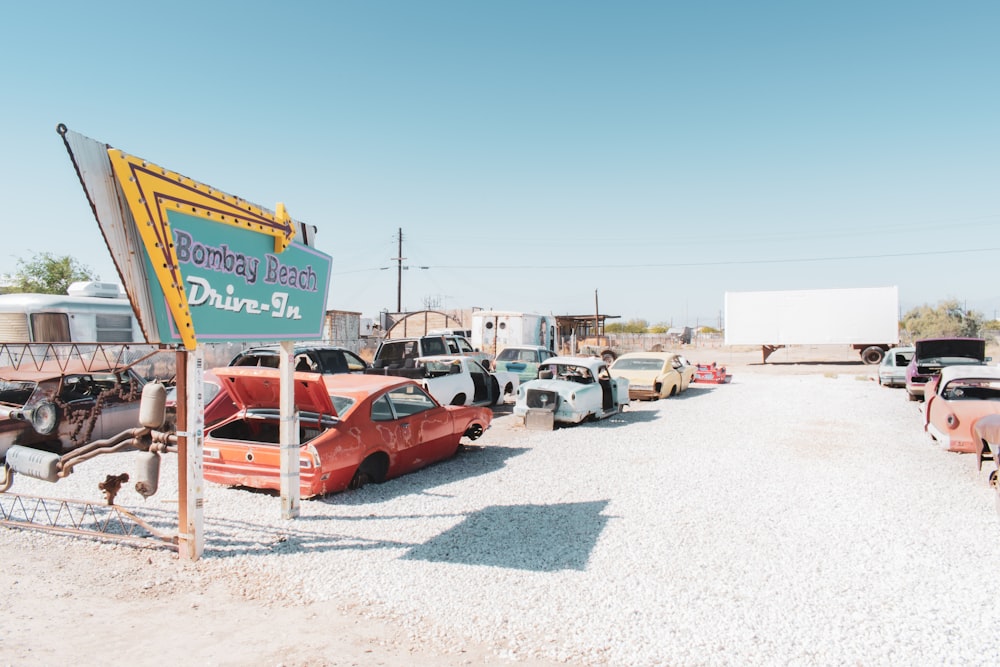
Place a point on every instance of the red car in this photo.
(956, 400)
(354, 429)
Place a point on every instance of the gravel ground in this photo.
(798, 519)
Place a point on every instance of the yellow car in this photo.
(653, 375)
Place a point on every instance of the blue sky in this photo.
(658, 153)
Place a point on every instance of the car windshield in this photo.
(15, 392)
(970, 389)
(897, 359)
(571, 373)
(442, 366)
(638, 365)
(511, 354)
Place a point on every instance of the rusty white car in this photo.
(574, 389)
(956, 399)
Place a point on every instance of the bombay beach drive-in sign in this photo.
(213, 267)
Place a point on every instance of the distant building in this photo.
(680, 334)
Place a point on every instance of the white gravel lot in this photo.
(781, 519)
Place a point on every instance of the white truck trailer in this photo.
(493, 330)
(866, 318)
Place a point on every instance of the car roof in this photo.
(970, 372)
(299, 347)
(589, 362)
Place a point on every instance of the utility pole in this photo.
(399, 274)
(597, 320)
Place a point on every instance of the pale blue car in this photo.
(523, 360)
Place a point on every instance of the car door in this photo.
(119, 403)
(482, 384)
(422, 428)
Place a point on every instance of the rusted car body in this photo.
(986, 433)
(955, 400)
(653, 375)
(712, 374)
(353, 429)
(58, 407)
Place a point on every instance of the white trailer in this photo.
(493, 330)
(866, 318)
(91, 312)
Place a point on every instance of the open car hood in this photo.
(973, 348)
(251, 387)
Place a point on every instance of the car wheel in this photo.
(495, 389)
(372, 470)
(458, 400)
(872, 355)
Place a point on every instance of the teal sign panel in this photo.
(239, 289)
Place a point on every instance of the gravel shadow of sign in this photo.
(542, 538)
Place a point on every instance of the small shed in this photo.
(343, 328)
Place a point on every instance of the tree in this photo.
(948, 318)
(47, 274)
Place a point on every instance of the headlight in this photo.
(44, 417)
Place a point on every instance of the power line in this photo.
(734, 262)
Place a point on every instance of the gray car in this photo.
(892, 370)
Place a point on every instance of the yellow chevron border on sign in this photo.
(151, 191)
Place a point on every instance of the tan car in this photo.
(653, 375)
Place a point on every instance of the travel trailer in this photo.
(91, 312)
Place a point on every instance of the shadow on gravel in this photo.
(626, 417)
(540, 538)
(501, 409)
